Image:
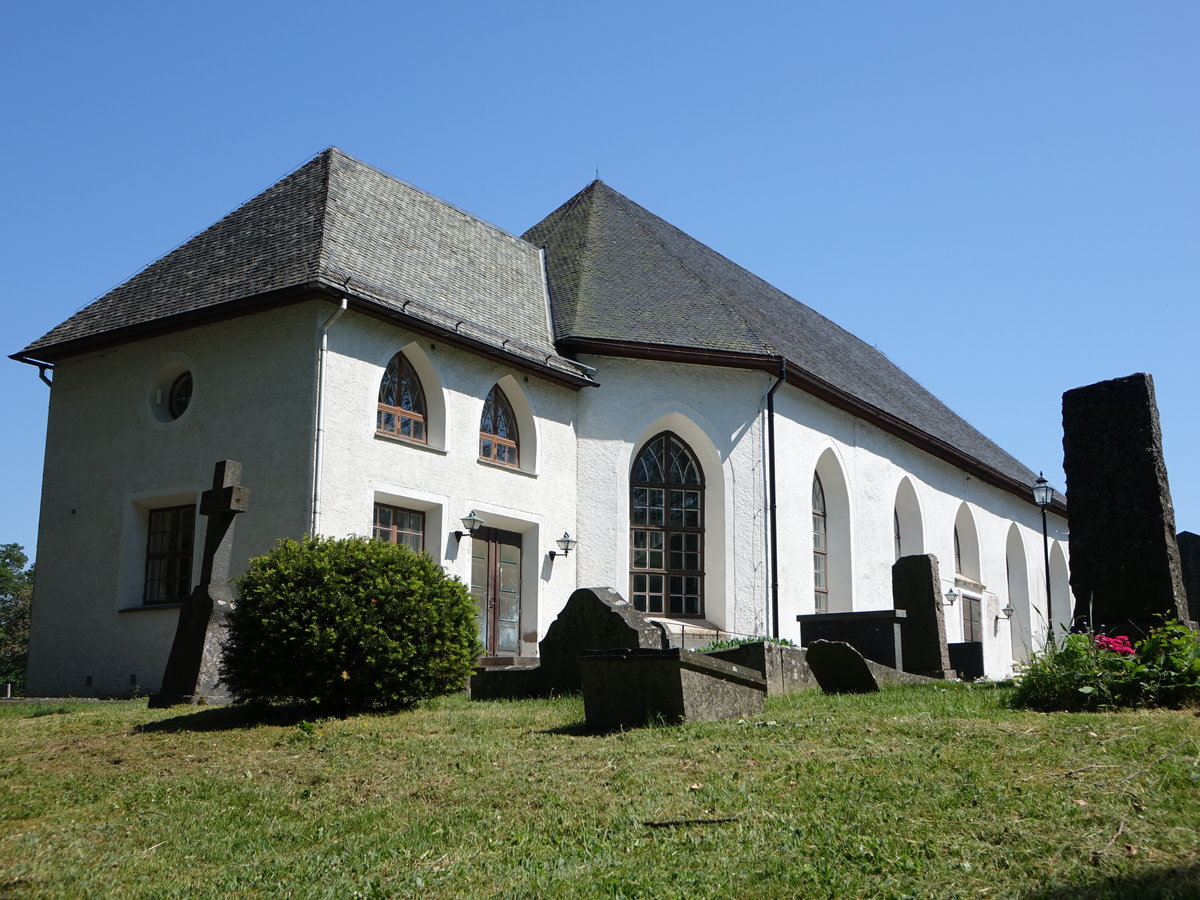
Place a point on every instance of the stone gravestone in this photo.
(1125, 569)
(632, 687)
(840, 669)
(917, 589)
(1189, 559)
(595, 618)
(193, 668)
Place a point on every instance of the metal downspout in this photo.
(771, 497)
(319, 429)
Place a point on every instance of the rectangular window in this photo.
(398, 525)
(972, 618)
(169, 555)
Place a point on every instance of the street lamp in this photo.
(1043, 494)
(471, 523)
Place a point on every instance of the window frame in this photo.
(820, 519)
(493, 445)
(404, 376)
(182, 550)
(393, 532)
(673, 603)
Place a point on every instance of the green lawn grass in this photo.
(923, 792)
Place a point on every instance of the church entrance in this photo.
(496, 586)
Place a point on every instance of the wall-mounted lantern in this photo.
(566, 544)
(471, 522)
(951, 596)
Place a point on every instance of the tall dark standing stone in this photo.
(193, 668)
(1124, 557)
(1189, 558)
(917, 589)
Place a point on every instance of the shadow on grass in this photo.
(1174, 883)
(582, 729)
(235, 716)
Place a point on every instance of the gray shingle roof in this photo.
(340, 223)
(618, 273)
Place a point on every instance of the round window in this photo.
(180, 395)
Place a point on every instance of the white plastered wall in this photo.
(720, 413)
(112, 454)
(446, 479)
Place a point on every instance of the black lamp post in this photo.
(1042, 495)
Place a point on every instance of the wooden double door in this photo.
(496, 586)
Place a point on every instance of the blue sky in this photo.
(1001, 197)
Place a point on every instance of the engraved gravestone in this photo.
(193, 668)
(1125, 568)
(916, 589)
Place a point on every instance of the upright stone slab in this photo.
(193, 668)
(1125, 565)
(596, 618)
(1189, 559)
(917, 589)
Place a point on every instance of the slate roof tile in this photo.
(619, 273)
(339, 222)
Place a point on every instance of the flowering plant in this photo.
(1092, 672)
(1118, 644)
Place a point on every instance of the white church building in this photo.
(383, 363)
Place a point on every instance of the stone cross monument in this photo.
(193, 668)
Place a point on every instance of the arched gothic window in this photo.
(820, 548)
(498, 439)
(666, 534)
(401, 402)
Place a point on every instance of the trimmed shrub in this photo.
(349, 624)
(1093, 672)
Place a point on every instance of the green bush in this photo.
(349, 624)
(1092, 672)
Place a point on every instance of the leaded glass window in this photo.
(820, 548)
(666, 535)
(401, 410)
(498, 438)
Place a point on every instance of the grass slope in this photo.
(922, 792)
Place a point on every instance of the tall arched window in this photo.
(498, 439)
(401, 402)
(820, 548)
(666, 533)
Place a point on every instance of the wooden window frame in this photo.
(666, 533)
(393, 533)
(415, 419)
(180, 551)
(495, 447)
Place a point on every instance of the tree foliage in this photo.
(16, 597)
(349, 624)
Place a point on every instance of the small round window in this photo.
(180, 395)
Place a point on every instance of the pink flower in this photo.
(1119, 644)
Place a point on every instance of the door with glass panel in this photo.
(496, 586)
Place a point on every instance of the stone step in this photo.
(505, 662)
